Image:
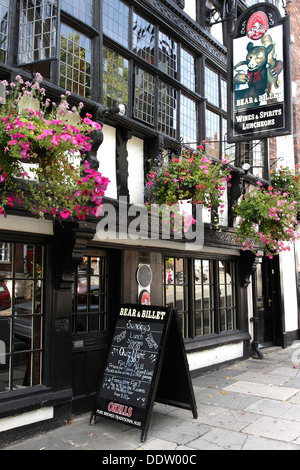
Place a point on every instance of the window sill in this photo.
(212, 341)
(31, 398)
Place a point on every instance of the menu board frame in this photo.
(143, 338)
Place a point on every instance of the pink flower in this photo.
(55, 140)
(65, 214)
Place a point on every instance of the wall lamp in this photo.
(103, 111)
(246, 167)
(229, 12)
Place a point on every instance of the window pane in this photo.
(227, 297)
(116, 21)
(203, 297)
(213, 133)
(144, 96)
(224, 95)
(4, 12)
(82, 10)
(188, 70)
(212, 87)
(188, 121)
(115, 78)
(75, 62)
(21, 316)
(167, 60)
(37, 35)
(143, 38)
(254, 153)
(90, 299)
(175, 288)
(167, 109)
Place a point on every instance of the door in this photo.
(95, 300)
(268, 302)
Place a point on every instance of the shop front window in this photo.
(90, 295)
(204, 292)
(21, 316)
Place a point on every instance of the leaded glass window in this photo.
(167, 61)
(115, 78)
(188, 70)
(75, 61)
(144, 39)
(79, 9)
(167, 110)
(37, 36)
(188, 121)
(4, 12)
(144, 96)
(116, 21)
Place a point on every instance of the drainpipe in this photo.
(255, 320)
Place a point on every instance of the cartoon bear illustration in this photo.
(254, 80)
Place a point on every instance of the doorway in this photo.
(268, 302)
(96, 295)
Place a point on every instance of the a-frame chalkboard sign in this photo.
(146, 363)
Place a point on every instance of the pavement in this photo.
(249, 405)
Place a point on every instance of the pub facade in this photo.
(154, 74)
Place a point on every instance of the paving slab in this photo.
(262, 390)
(275, 408)
(224, 439)
(274, 428)
(225, 398)
(261, 443)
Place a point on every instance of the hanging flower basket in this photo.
(267, 220)
(192, 176)
(46, 142)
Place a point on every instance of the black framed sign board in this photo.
(259, 75)
(146, 363)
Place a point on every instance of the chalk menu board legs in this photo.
(93, 419)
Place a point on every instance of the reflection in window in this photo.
(213, 133)
(90, 297)
(204, 292)
(188, 70)
(167, 61)
(4, 252)
(203, 297)
(82, 10)
(37, 36)
(227, 300)
(143, 39)
(212, 87)
(116, 21)
(188, 121)
(167, 109)
(21, 316)
(175, 287)
(254, 153)
(4, 11)
(144, 96)
(75, 62)
(115, 78)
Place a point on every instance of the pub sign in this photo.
(259, 75)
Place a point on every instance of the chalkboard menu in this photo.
(135, 360)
